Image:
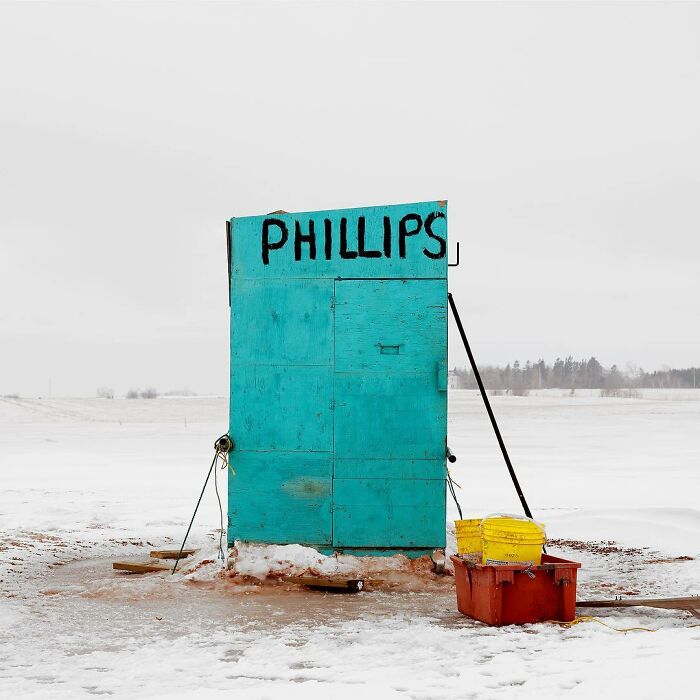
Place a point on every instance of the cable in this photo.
(450, 485)
(222, 447)
(221, 515)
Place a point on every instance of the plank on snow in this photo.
(689, 603)
(171, 553)
(140, 567)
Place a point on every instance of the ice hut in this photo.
(339, 378)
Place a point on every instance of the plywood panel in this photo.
(281, 497)
(388, 512)
(282, 407)
(389, 468)
(277, 322)
(390, 326)
(389, 416)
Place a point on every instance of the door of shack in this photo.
(390, 412)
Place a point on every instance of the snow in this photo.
(262, 562)
(89, 481)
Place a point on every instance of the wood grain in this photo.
(140, 567)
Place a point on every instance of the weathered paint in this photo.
(339, 377)
(281, 497)
(381, 512)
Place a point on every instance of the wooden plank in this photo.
(171, 553)
(140, 567)
(335, 583)
(689, 603)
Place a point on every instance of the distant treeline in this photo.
(573, 374)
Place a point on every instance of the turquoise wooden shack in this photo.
(339, 378)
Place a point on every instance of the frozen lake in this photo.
(87, 481)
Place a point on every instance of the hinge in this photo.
(332, 404)
(332, 303)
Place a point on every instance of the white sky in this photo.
(565, 137)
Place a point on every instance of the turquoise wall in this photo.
(338, 378)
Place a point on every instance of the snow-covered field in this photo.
(87, 481)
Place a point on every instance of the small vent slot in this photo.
(388, 349)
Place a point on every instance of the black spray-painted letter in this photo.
(429, 230)
(300, 238)
(404, 231)
(266, 245)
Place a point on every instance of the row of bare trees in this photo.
(104, 392)
(574, 374)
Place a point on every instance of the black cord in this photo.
(450, 484)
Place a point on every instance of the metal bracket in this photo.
(449, 264)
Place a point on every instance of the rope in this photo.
(221, 449)
(222, 454)
(591, 618)
(221, 517)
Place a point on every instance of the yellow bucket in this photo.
(512, 539)
(468, 534)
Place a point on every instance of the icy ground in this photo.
(84, 482)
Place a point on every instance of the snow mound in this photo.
(261, 563)
(269, 561)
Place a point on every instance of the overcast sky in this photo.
(565, 136)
